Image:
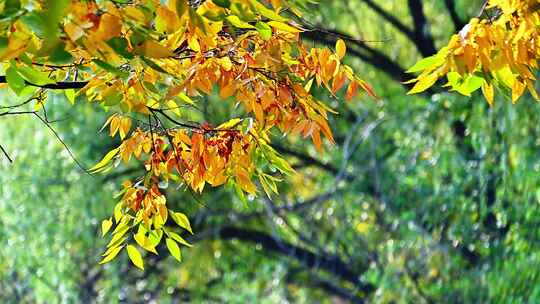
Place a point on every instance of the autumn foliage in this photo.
(498, 49)
(146, 62)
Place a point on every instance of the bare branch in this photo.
(6, 154)
(61, 85)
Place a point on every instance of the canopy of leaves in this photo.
(148, 62)
(424, 198)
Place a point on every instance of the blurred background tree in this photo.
(424, 199)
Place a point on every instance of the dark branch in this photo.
(451, 7)
(422, 38)
(307, 159)
(61, 85)
(390, 18)
(6, 154)
(332, 264)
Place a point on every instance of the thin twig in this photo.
(6, 154)
(46, 123)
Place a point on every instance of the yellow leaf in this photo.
(144, 242)
(179, 239)
(284, 27)
(153, 49)
(105, 161)
(172, 106)
(134, 13)
(517, 90)
(70, 95)
(114, 246)
(193, 44)
(183, 97)
(226, 63)
(109, 26)
(362, 227)
(106, 226)
(174, 249)
(229, 124)
(424, 83)
(341, 48)
(73, 31)
(112, 254)
(182, 220)
(118, 212)
(124, 127)
(245, 182)
(135, 256)
(236, 22)
(487, 89)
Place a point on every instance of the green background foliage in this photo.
(424, 199)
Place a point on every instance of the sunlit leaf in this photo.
(135, 257)
(106, 226)
(174, 249)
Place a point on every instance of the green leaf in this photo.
(112, 99)
(266, 12)
(35, 22)
(102, 164)
(470, 84)
(11, 7)
(236, 22)
(70, 95)
(109, 68)
(222, 3)
(135, 257)
(3, 44)
(34, 77)
(153, 65)
(59, 55)
(175, 236)
(174, 249)
(120, 46)
(240, 194)
(14, 80)
(265, 31)
(428, 62)
(454, 79)
(181, 7)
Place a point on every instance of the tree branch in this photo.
(451, 7)
(390, 18)
(422, 38)
(332, 264)
(61, 85)
(6, 154)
